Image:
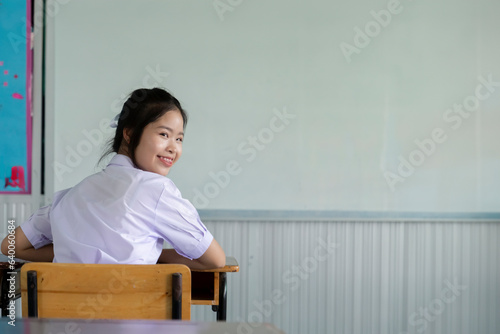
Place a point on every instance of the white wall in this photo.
(352, 121)
(354, 117)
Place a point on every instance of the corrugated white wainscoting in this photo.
(350, 276)
(17, 208)
(363, 276)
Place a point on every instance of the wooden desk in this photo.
(208, 287)
(80, 326)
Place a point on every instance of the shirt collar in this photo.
(121, 160)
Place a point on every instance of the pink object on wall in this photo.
(16, 179)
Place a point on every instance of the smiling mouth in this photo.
(167, 161)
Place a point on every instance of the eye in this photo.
(180, 139)
(164, 134)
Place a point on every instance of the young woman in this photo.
(124, 213)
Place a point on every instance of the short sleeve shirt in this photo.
(120, 215)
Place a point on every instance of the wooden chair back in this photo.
(105, 291)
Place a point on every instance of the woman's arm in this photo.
(214, 257)
(24, 249)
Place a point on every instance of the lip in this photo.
(167, 161)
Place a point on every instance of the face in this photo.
(161, 144)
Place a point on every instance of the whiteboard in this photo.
(294, 105)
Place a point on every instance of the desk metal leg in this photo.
(221, 309)
(4, 302)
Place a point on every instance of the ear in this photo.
(126, 135)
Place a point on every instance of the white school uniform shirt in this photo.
(120, 215)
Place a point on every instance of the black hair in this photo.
(143, 106)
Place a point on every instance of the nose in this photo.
(170, 147)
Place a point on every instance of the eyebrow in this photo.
(169, 129)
